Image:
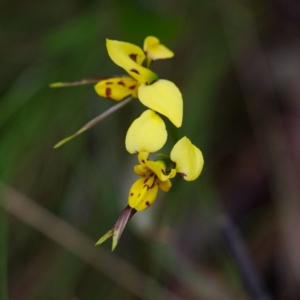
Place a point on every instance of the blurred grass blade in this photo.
(94, 121)
(115, 268)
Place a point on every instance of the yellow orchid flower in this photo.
(160, 95)
(146, 134)
(186, 160)
(153, 174)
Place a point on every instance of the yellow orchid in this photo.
(160, 95)
(148, 134)
(185, 159)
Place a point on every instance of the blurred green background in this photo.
(238, 67)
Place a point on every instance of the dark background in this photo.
(237, 64)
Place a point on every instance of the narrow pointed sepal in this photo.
(78, 82)
(119, 227)
(164, 97)
(106, 236)
(116, 231)
(188, 158)
(94, 121)
(69, 138)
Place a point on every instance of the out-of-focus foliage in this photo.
(237, 66)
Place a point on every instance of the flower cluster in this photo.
(160, 95)
(147, 134)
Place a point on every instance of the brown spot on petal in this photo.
(133, 57)
(148, 203)
(146, 180)
(132, 87)
(131, 194)
(109, 82)
(108, 92)
(135, 71)
(143, 161)
(121, 83)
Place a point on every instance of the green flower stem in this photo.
(95, 121)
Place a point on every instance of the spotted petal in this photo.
(158, 167)
(155, 50)
(143, 193)
(188, 158)
(117, 88)
(130, 57)
(146, 134)
(164, 97)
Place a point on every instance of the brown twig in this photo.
(76, 242)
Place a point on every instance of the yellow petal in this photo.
(117, 88)
(146, 134)
(143, 193)
(155, 50)
(165, 185)
(130, 57)
(188, 158)
(141, 170)
(164, 97)
(158, 167)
